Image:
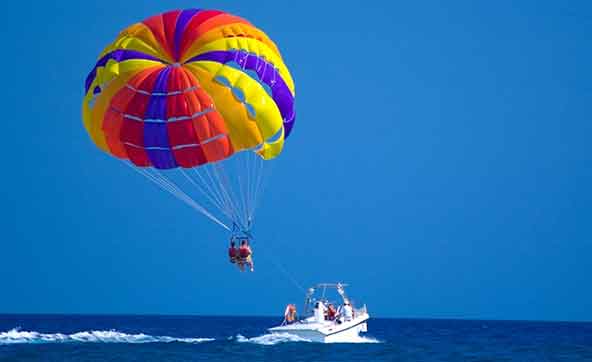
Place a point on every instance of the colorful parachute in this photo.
(187, 92)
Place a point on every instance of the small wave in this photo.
(271, 339)
(16, 336)
(358, 339)
(275, 338)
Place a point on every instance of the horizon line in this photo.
(279, 316)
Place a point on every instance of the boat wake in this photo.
(16, 336)
(271, 339)
(358, 339)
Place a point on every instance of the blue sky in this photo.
(440, 163)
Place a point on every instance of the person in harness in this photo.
(233, 252)
(246, 255)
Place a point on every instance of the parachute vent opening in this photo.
(251, 110)
(276, 136)
(238, 94)
(223, 80)
(250, 72)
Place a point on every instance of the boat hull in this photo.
(328, 332)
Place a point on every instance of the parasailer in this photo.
(246, 255)
(197, 101)
(232, 251)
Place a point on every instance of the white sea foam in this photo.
(16, 336)
(358, 339)
(271, 339)
(275, 338)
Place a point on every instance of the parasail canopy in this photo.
(193, 89)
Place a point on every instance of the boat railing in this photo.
(361, 310)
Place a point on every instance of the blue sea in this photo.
(198, 338)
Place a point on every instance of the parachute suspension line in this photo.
(257, 173)
(249, 167)
(250, 181)
(184, 197)
(257, 170)
(220, 195)
(260, 183)
(226, 189)
(218, 171)
(243, 186)
(231, 190)
(250, 161)
(253, 160)
(201, 188)
(212, 185)
(228, 208)
(240, 200)
(284, 271)
(167, 185)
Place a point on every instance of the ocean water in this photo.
(193, 338)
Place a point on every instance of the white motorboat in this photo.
(319, 326)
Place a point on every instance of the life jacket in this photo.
(244, 252)
(290, 314)
(331, 312)
(231, 252)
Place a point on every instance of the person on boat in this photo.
(245, 254)
(331, 312)
(319, 311)
(347, 312)
(290, 314)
